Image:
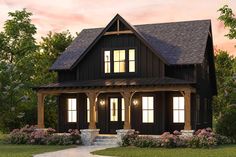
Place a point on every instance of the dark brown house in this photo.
(151, 78)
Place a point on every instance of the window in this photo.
(122, 109)
(113, 109)
(72, 110)
(131, 60)
(88, 112)
(148, 109)
(119, 61)
(107, 62)
(178, 109)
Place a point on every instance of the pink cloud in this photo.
(59, 15)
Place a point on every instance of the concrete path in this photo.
(80, 151)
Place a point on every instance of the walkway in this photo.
(80, 151)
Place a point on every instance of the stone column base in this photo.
(121, 133)
(187, 132)
(88, 136)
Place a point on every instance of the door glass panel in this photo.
(113, 109)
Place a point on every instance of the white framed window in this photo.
(113, 109)
(131, 60)
(107, 62)
(119, 61)
(122, 109)
(72, 110)
(88, 111)
(178, 110)
(148, 109)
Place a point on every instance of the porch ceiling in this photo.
(117, 85)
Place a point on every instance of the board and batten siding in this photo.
(92, 66)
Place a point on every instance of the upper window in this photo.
(119, 61)
(178, 109)
(107, 62)
(131, 60)
(72, 110)
(148, 109)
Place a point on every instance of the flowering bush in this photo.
(32, 135)
(202, 138)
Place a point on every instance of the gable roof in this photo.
(174, 43)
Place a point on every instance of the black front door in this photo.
(116, 109)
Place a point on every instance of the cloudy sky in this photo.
(74, 15)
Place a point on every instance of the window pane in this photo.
(145, 116)
(88, 110)
(144, 102)
(116, 55)
(131, 66)
(122, 55)
(74, 116)
(150, 116)
(175, 103)
(107, 67)
(181, 116)
(122, 66)
(116, 67)
(107, 56)
(131, 54)
(175, 116)
(181, 102)
(122, 109)
(150, 103)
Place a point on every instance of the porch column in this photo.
(127, 95)
(187, 101)
(40, 110)
(92, 102)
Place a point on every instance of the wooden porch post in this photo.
(40, 110)
(187, 101)
(92, 100)
(127, 95)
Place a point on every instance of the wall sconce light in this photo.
(102, 102)
(135, 102)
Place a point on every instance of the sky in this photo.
(75, 15)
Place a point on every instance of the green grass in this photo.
(222, 151)
(7, 150)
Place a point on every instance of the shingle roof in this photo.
(176, 42)
(115, 83)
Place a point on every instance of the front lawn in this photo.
(7, 150)
(221, 151)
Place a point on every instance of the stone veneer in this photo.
(187, 132)
(88, 136)
(121, 133)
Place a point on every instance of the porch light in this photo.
(102, 102)
(135, 102)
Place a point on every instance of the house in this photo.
(151, 78)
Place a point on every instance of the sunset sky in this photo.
(74, 15)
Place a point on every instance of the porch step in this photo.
(105, 140)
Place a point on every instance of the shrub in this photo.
(63, 139)
(32, 135)
(203, 138)
(226, 124)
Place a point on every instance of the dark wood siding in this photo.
(148, 64)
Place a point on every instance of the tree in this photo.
(227, 16)
(225, 73)
(24, 64)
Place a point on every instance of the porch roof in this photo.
(129, 82)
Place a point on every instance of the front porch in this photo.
(99, 95)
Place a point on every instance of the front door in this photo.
(116, 113)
